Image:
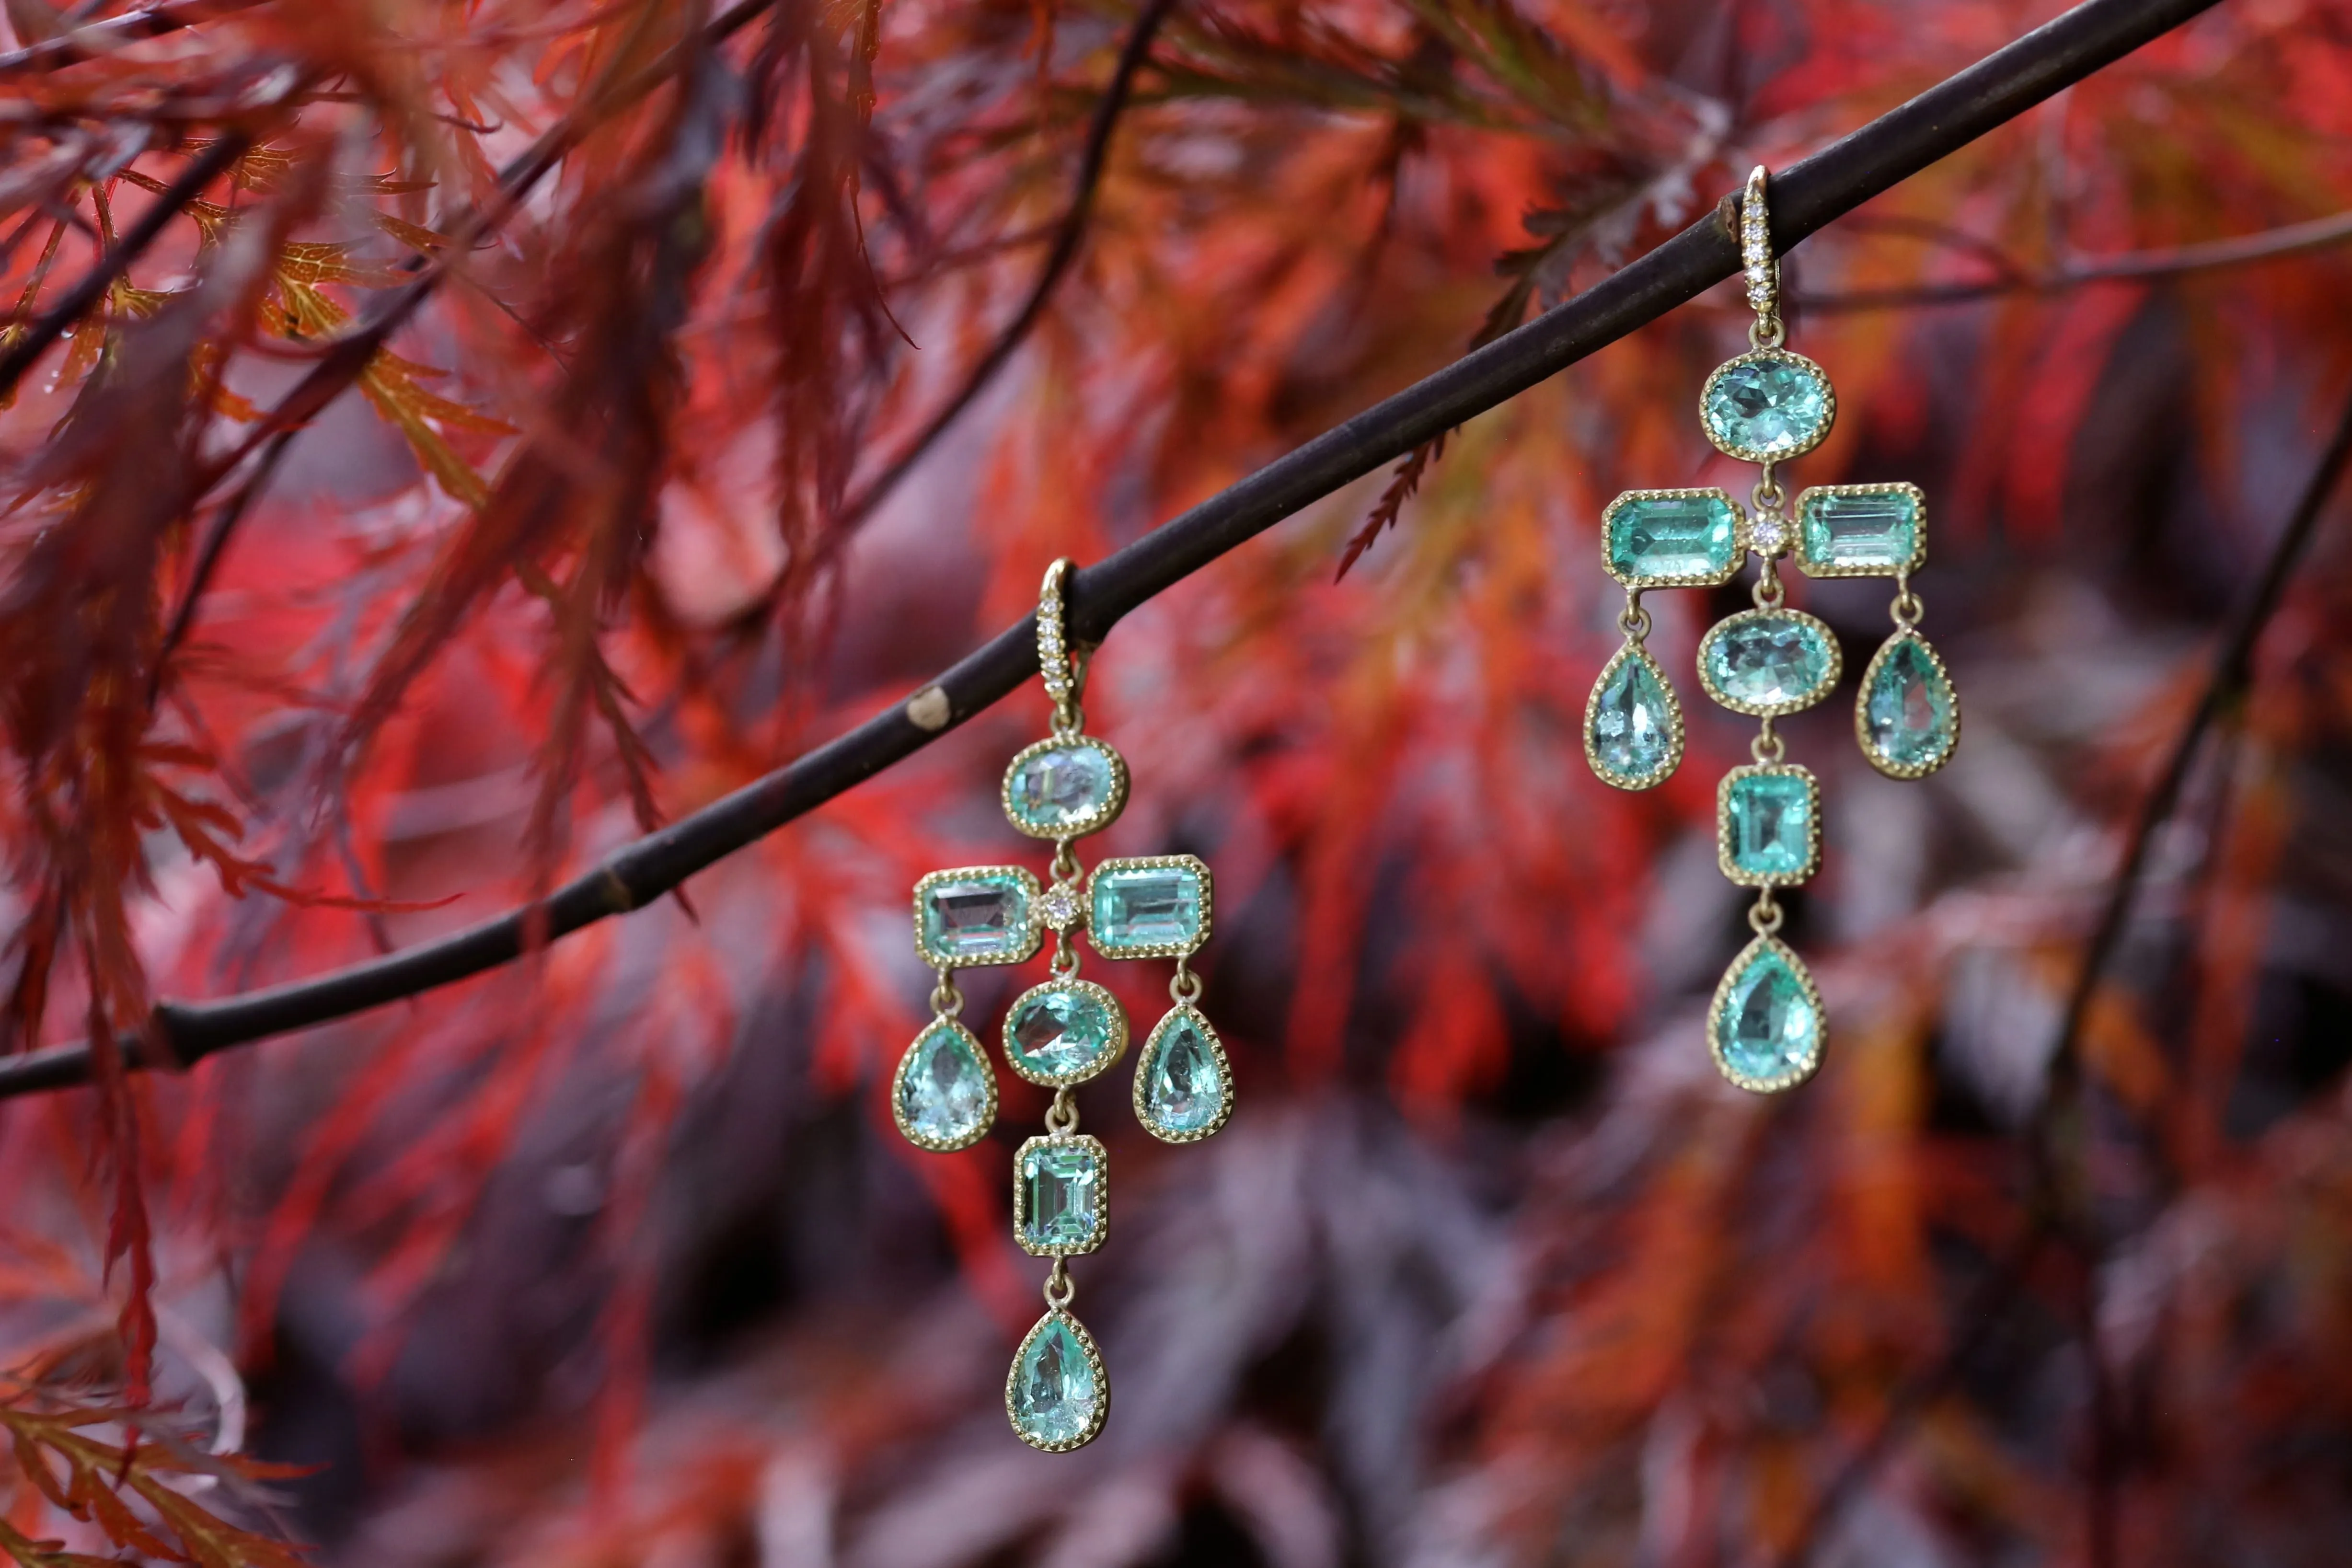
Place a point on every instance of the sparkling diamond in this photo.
(1769, 535)
(1062, 906)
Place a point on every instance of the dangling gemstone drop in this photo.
(1766, 1026)
(1183, 1084)
(1057, 1392)
(1633, 725)
(943, 1095)
(1907, 716)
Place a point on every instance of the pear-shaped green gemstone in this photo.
(1766, 1027)
(1055, 1393)
(1908, 715)
(943, 1092)
(1182, 1089)
(1632, 727)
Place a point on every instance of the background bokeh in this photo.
(614, 1257)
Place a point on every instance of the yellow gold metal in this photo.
(1674, 758)
(1101, 1228)
(1723, 627)
(1698, 580)
(899, 1086)
(1731, 870)
(1756, 260)
(1811, 567)
(1184, 1011)
(1715, 1010)
(1878, 760)
(1094, 822)
(1760, 356)
(1117, 1044)
(1193, 863)
(1094, 1361)
(1031, 931)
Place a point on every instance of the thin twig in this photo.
(92, 39)
(1068, 236)
(1807, 195)
(2131, 266)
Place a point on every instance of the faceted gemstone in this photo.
(1052, 1394)
(1181, 1086)
(1146, 907)
(1063, 787)
(1768, 661)
(1061, 1183)
(1768, 826)
(1061, 906)
(1859, 530)
(980, 917)
(946, 1095)
(1659, 539)
(1065, 1031)
(1772, 405)
(1631, 729)
(1910, 714)
(1766, 1031)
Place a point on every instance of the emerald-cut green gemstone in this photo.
(1767, 826)
(1860, 531)
(1660, 538)
(1768, 661)
(1768, 405)
(1052, 1394)
(1767, 1029)
(980, 916)
(1064, 1032)
(945, 1094)
(1910, 714)
(1059, 789)
(1632, 728)
(1058, 1186)
(1149, 907)
(1182, 1090)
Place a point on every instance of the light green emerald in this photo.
(1061, 1032)
(1146, 907)
(1066, 787)
(1910, 717)
(1767, 1029)
(1778, 661)
(976, 918)
(1184, 1089)
(1859, 530)
(1061, 1193)
(1769, 823)
(943, 1086)
(1773, 406)
(1631, 728)
(1053, 1395)
(1673, 538)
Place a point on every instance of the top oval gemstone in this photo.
(1766, 662)
(1768, 405)
(1061, 788)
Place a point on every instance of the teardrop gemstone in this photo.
(943, 1096)
(1184, 1082)
(1765, 1027)
(1907, 716)
(1057, 1392)
(1064, 1032)
(1633, 725)
(1768, 662)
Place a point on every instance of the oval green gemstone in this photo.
(1053, 1395)
(1910, 716)
(1768, 405)
(1182, 1090)
(1632, 728)
(1768, 661)
(945, 1092)
(1766, 1031)
(1063, 788)
(1062, 1032)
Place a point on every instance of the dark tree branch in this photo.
(1806, 195)
(1068, 235)
(91, 39)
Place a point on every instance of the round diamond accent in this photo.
(1062, 906)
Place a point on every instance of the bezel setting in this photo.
(1894, 770)
(1102, 1064)
(1094, 1361)
(1693, 580)
(1094, 822)
(1760, 356)
(1804, 977)
(1192, 863)
(1032, 933)
(1665, 770)
(1732, 870)
(897, 1083)
(1143, 1060)
(1101, 1228)
(1810, 567)
(1724, 627)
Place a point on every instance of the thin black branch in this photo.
(2131, 266)
(1806, 195)
(91, 39)
(2058, 1205)
(1068, 235)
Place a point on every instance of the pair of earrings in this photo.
(1063, 1031)
(1766, 1027)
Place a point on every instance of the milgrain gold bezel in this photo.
(1692, 580)
(1094, 822)
(1101, 1064)
(1032, 927)
(1723, 858)
(1722, 628)
(1143, 1062)
(1673, 723)
(1094, 1361)
(1093, 1237)
(1862, 708)
(1150, 863)
(1813, 568)
(1795, 1076)
(1757, 454)
(898, 1081)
